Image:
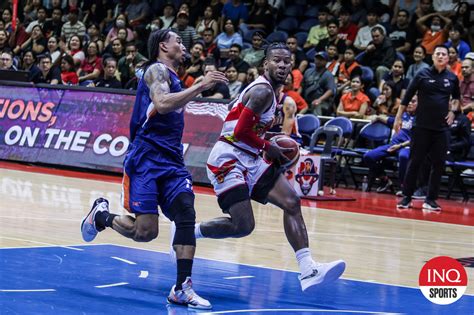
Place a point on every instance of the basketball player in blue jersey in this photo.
(154, 171)
(239, 174)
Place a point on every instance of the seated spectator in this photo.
(364, 36)
(333, 64)
(48, 74)
(207, 21)
(17, 37)
(6, 61)
(7, 16)
(184, 30)
(397, 76)
(37, 42)
(463, 16)
(399, 145)
(288, 89)
(40, 20)
(252, 74)
(68, 71)
(354, 104)
(235, 11)
(133, 83)
(94, 35)
(240, 65)
(333, 29)
(460, 138)
(319, 31)
(128, 63)
(260, 17)
(220, 90)
(73, 26)
(29, 64)
(436, 34)
(297, 75)
(108, 80)
(91, 67)
(358, 12)
(419, 55)
(137, 12)
(186, 79)
(467, 86)
(403, 38)
(210, 47)
(255, 54)
(194, 64)
(120, 22)
(53, 49)
(117, 49)
(387, 102)
(409, 6)
(347, 29)
(228, 37)
(54, 26)
(346, 68)
(234, 85)
(454, 65)
(379, 54)
(168, 17)
(455, 33)
(74, 49)
(319, 87)
(4, 40)
(300, 57)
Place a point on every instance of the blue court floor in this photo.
(111, 279)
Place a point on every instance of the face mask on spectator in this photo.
(435, 28)
(120, 23)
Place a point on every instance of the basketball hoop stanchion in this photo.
(14, 15)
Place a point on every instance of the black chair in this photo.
(288, 24)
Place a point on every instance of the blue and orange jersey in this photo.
(162, 131)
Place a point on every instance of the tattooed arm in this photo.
(157, 79)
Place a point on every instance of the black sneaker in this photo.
(385, 185)
(419, 194)
(405, 203)
(431, 205)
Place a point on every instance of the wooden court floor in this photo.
(38, 209)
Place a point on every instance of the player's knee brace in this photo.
(184, 219)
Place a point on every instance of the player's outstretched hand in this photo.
(275, 152)
(213, 77)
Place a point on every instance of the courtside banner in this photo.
(90, 129)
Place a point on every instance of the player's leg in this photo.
(284, 196)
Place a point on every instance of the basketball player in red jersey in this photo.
(239, 173)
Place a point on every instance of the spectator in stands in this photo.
(6, 61)
(455, 33)
(409, 6)
(133, 83)
(184, 30)
(425, 7)
(252, 74)
(319, 87)
(2, 25)
(54, 26)
(419, 55)
(91, 67)
(399, 145)
(347, 29)
(236, 11)
(194, 65)
(207, 21)
(53, 49)
(17, 37)
(358, 13)
(4, 40)
(186, 80)
(364, 35)
(460, 138)
(300, 57)
(380, 54)
(48, 74)
(137, 12)
(346, 68)
(239, 63)
(255, 54)
(333, 64)
(396, 75)
(297, 75)
(168, 17)
(387, 102)
(354, 104)
(108, 80)
(220, 90)
(289, 89)
(333, 29)
(128, 63)
(436, 34)
(319, 31)
(234, 85)
(210, 47)
(260, 17)
(7, 18)
(73, 26)
(463, 17)
(68, 71)
(228, 37)
(454, 65)
(41, 19)
(467, 86)
(118, 49)
(285, 118)
(29, 63)
(403, 38)
(37, 42)
(74, 48)
(120, 22)
(94, 35)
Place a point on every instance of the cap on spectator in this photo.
(469, 55)
(322, 54)
(182, 12)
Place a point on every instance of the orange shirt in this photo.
(353, 103)
(456, 69)
(297, 78)
(299, 100)
(430, 40)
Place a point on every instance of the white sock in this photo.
(197, 230)
(305, 261)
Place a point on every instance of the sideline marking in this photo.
(239, 277)
(33, 290)
(42, 243)
(111, 285)
(124, 260)
(297, 310)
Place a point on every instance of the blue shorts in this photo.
(152, 179)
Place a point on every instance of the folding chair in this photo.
(307, 125)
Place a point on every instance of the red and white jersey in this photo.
(265, 123)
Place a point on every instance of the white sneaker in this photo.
(188, 297)
(172, 251)
(88, 228)
(322, 273)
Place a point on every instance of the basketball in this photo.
(286, 142)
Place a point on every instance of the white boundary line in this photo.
(110, 285)
(239, 277)
(124, 260)
(27, 290)
(309, 310)
(43, 243)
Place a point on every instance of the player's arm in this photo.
(289, 115)
(157, 78)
